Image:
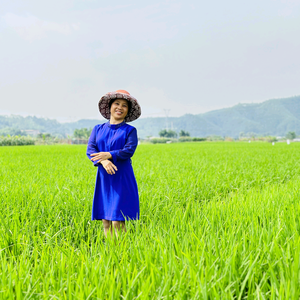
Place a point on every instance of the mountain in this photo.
(15, 124)
(273, 117)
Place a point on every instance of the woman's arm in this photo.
(101, 156)
(92, 147)
(129, 148)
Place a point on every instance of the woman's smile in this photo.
(119, 112)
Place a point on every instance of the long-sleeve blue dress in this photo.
(116, 196)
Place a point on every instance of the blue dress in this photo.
(116, 196)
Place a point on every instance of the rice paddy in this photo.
(218, 221)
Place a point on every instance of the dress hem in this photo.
(108, 219)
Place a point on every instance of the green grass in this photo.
(218, 221)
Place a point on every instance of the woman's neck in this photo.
(113, 121)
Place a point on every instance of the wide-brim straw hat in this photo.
(104, 108)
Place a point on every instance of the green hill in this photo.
(15, 124)
(273, 117)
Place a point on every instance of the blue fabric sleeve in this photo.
(92, 147)
(129, 148)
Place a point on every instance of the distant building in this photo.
(31, 132)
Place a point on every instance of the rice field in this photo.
(218, 221)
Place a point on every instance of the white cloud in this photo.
(31, 27)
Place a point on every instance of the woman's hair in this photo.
(113, 100)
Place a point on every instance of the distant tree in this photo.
(168, 133)
(291, 135)
(198, 139)
(184, 133)
(214, 138)
(172, 134)
(83, 133)
(163, 133)
(11, 131)
(43, 136)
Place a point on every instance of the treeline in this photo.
(83, 133)
(164, 140)
(16, 141)
(80, 136)
(291, 135)
(21, 140)
(173, 134)
(18, 125)
(167, 136)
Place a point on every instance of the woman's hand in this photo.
(109, 167)
(101, 156)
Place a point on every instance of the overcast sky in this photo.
(59, 57)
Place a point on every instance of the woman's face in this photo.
(119, 109)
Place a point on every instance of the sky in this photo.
(59, 57)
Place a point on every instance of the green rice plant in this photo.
(218, 221)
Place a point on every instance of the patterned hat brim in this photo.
(135, 111)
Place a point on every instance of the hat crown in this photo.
(122, 92)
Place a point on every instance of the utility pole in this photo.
(167, 115)
(175, 129)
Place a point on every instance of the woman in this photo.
(110, 147)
